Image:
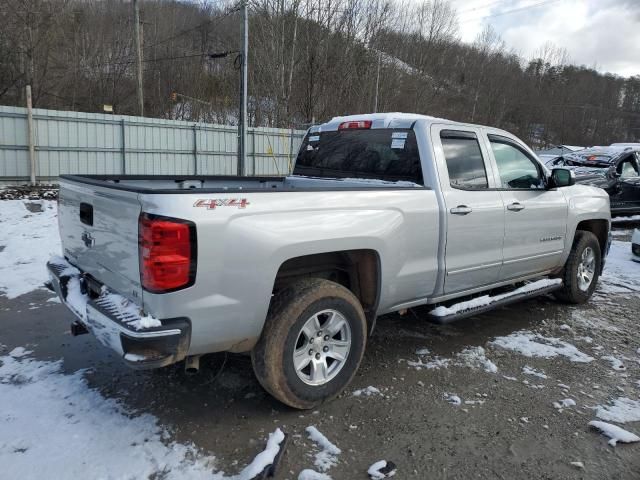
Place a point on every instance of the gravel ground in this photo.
(505, 426)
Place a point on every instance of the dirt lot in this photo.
(505, 426)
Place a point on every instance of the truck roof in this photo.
(384, 120)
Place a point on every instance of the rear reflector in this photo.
(360, 124)
(167, 253)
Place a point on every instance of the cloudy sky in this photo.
(604, 34)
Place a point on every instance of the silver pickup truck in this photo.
(382, 213)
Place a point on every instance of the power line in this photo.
(508, 12)
(188, 30)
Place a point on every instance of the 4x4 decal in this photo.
(212, 203)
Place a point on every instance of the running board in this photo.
(500, 301)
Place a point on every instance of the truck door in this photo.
(535, 218)
(474, 209)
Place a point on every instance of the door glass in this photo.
(516, 169)
(627, 169)
(464, 160)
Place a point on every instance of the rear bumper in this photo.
(142, 344)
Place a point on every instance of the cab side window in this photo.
(516, 169)
(464, 160)
(628, 168)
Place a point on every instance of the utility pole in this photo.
(32, 148)
(375, 105)
(137, 39)
(242, 125)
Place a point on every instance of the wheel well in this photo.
(357, 270)
(600, 228)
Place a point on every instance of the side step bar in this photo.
(500, 301)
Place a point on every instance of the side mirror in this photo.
(562, 177)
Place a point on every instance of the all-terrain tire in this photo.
(571, 291)
(290, 310)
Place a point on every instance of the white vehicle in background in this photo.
(635, 244)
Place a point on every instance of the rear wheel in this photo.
(312, 343)
(582, 270)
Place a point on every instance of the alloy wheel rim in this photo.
(322, 347)
(586, 269)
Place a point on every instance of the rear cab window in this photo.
(465, 163)
(389, 154)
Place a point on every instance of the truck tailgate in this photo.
(99, 232)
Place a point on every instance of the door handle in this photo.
(515, 207)
(461, 210)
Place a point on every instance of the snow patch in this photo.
(615, 433)
(621, 274)
(376, 470)
(309, 474)
(622, 410)
(616, 364)
(474, 357)
(37, 397)
(327, 457)
(367, 392)
(452, 399)
(20, 352)
(434, 364)
(535, 345)
(527, 370)
(566, 403)
(29, 238)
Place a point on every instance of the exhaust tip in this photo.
(192, 365)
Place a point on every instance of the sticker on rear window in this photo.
(399, 134)
(314, 138)
(397, 143)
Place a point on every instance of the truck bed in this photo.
(221, 184)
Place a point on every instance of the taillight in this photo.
(359, 124)
(167, 253)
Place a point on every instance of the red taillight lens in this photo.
(360, 124)
(167, 253)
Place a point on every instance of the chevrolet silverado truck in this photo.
(382, 213)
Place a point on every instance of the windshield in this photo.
(384, 154)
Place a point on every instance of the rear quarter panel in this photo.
(241, 249)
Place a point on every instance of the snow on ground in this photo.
(381, 469)
(434, 364)
(484, 300)
(367, 392)
(474, 357)
(532, 344)
(622, 410)
(527, 370)
(327, 457)
(615, 433)
(566, 403)
(308, 474)
(54, 423)
(616, 363)
(452, 399)
(621, 274)
(27, 240)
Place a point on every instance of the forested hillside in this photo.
(309, 60)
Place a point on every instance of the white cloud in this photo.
(604, 34)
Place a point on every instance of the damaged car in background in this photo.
(616, 169)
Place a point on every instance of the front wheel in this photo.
(582, 270)
(312, 343)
